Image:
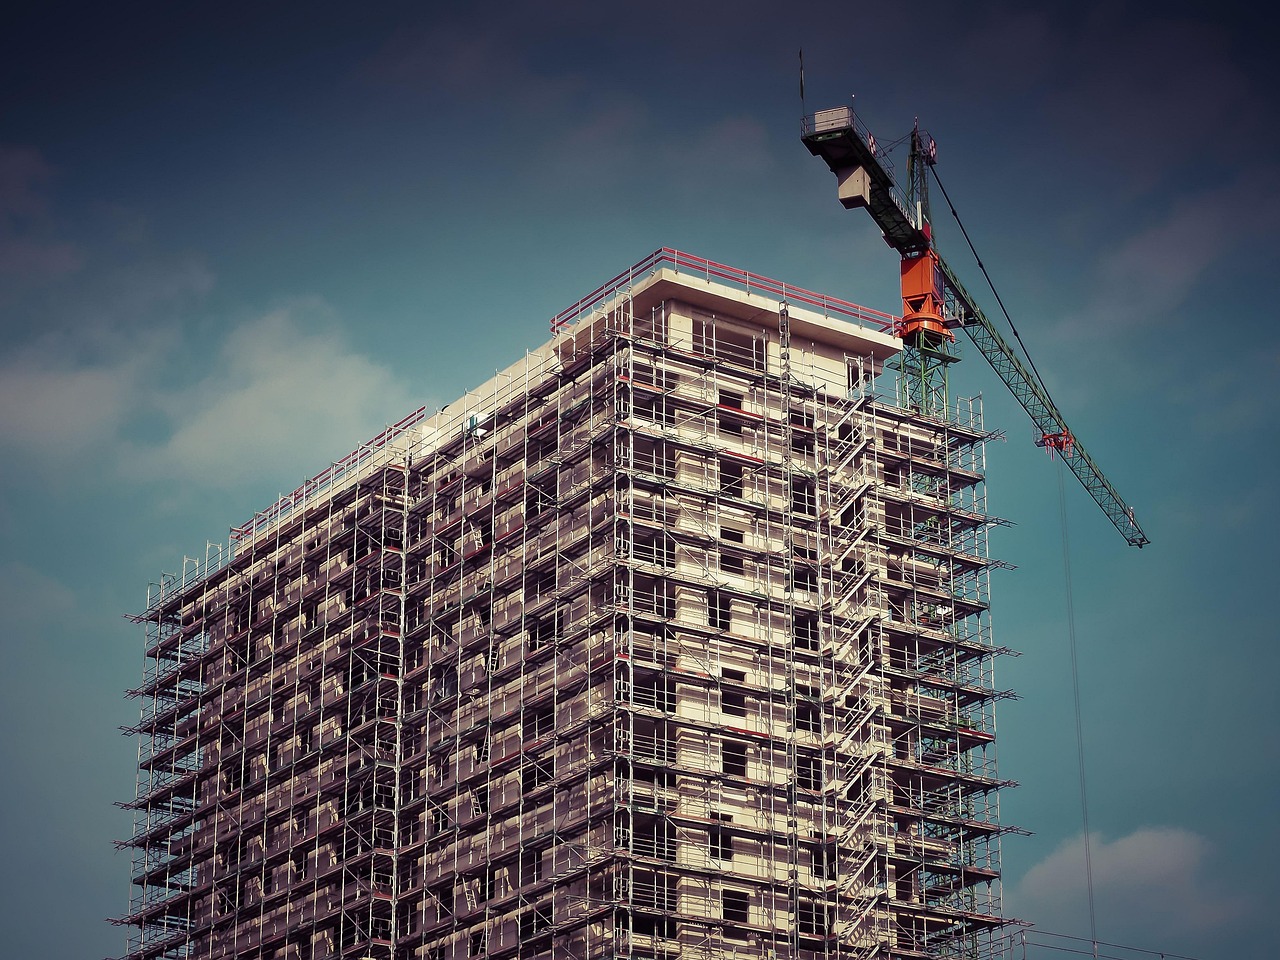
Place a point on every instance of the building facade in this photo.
(670, 641)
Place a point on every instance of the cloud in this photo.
(32, 259)
(23, 174)
(1151, 883)
(1154, 270)
(285, 393)
(28, 250)
(54, 407)
(1145, 278)
(157, 286)
(83, 362)
(104, 367)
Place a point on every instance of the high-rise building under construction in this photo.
(671, 640)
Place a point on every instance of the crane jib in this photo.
(865, 180)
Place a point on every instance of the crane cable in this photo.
(981, 266)
(1066, 567)
(1075, 690)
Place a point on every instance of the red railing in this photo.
(740, 279)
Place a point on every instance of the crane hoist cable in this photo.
(1075, 693)
(983, 267)
(1066, 570)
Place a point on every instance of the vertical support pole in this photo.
(789, 653)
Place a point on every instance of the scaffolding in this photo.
(671, 640)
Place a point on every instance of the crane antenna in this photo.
(802, 109)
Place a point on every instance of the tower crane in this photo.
(935, 303)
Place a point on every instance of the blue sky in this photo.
(235, 243)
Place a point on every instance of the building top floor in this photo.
(728, 316)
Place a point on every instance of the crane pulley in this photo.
(935, 302)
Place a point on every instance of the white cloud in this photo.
(1153, 271)
(53, 407)
(283, 395)
(287, 394)
(1151, 883)
(1142, 280)
(157, 286)
(100, 372)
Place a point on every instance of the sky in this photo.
(237, 240)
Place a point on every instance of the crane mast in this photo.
(935, 302)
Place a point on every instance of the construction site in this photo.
(671, 640)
